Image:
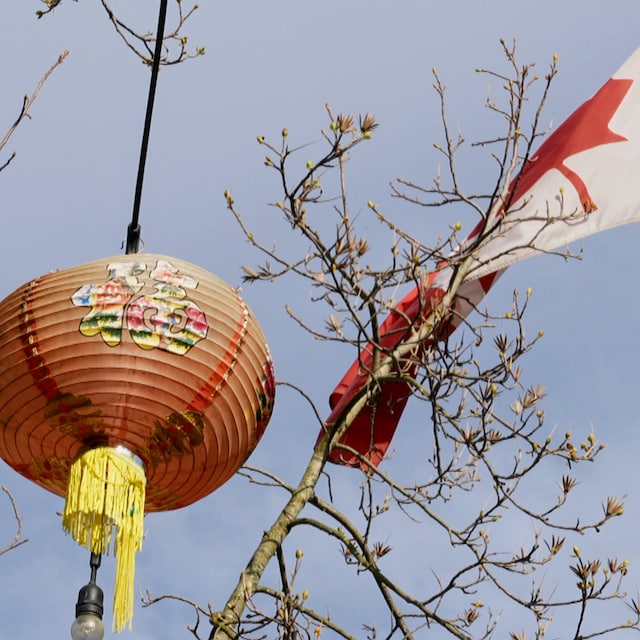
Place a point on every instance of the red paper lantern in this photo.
(144, 352)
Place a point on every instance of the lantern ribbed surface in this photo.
(142, 351)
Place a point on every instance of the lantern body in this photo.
(142, 351)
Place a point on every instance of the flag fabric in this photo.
(583, 179)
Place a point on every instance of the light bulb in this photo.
(88, 623)
(87, 626)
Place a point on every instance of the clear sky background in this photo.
(67, 198)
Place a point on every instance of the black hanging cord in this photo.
(133, 231)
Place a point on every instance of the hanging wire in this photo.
(133, 230)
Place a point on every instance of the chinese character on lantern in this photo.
(164, 318)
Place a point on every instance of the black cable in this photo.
(133, 231)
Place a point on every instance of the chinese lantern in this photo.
(131, 384)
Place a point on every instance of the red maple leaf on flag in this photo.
(587, 127)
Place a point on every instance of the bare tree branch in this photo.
(27, 103)
(483, 425)
(18, 537)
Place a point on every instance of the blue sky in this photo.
(67, 197)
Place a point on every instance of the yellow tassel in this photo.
(105, 510)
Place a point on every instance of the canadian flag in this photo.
(583, 179)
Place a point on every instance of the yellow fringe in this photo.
(105, 510)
